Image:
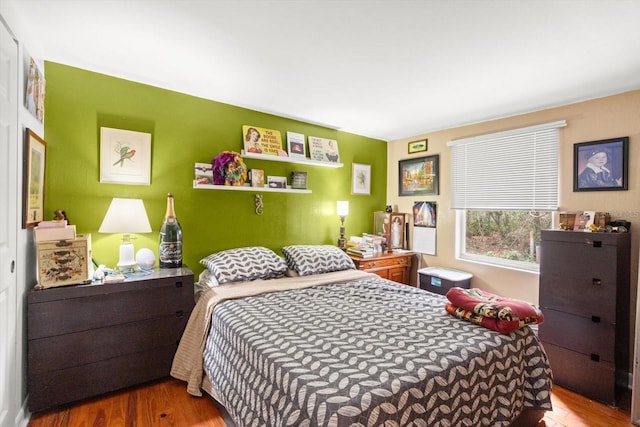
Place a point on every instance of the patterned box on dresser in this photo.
(64, 262)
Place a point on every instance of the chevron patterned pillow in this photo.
(245, 264)
(316, 259)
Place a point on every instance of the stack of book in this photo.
(363, 251)
(366, 246)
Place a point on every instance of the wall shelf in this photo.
(299, 160)
(249, 188)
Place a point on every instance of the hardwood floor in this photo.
(166, 403)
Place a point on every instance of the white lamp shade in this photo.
(343, 208)
(125, 216)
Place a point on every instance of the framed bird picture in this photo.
(125, 156)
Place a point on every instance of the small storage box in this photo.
(440, 280)
(64, 262)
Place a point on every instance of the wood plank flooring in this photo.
(167, 403)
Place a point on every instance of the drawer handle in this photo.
(179, 313)
(597, 243)
(596, 282)
(595, 357)
(595, 319)
(62, 243)
(179, 284)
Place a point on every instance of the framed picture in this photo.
(34, 95)
(418, 176)
(425, 214)
(360, 179)
(125, 157)
(323, 150)
(601, 165)
(33, 184)
(277, 181)
(418, 146)
(295, 145)
(259, 140)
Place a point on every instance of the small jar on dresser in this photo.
(95, 338)
(584, 295)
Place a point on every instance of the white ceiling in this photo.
(385, 69)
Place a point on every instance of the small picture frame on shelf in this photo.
(295, 145)
(323, 150)
(299, 180)
(256, 177)
(257, 140)
(277, 181)
(204, 173)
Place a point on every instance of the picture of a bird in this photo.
(125, 152)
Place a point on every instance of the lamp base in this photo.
(342, 242)
(127, 262)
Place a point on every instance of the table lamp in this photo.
(343, 211)
(126, 216)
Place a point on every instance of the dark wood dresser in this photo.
(584, 295)
(388, 265)
(86, 340)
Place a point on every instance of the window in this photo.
(504, 187)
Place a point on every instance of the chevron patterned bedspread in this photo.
(367, 353)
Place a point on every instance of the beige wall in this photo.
(603, 118)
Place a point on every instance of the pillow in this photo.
(316, 259)
(245, 264)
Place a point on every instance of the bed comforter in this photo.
(349, 348)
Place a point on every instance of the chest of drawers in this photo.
(584, 295)
(87, 340)
(392, 266)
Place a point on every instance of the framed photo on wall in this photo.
(360, 179)
(125, 156)
(419, 176)
(417, 146)
(601, 165)
(33, 184)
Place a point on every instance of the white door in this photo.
(8, 226)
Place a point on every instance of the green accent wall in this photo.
(185, 130)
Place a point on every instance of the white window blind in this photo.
(511, 170)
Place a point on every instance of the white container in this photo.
(440, 279)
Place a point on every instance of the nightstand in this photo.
(91, 339)
(388, 265)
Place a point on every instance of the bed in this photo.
(309, 341)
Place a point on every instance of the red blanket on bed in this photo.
(504, 315)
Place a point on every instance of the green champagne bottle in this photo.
(170, 252)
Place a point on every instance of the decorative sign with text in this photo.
(262, 141)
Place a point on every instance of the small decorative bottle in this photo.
(170, 252)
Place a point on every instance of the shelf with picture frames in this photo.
(287, 159)
(249, 188)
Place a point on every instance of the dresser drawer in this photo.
(55, 387)
(81, 348)
(384, 263)
(580, 334)
(83, 313)
(579, 373)
(582, 283)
